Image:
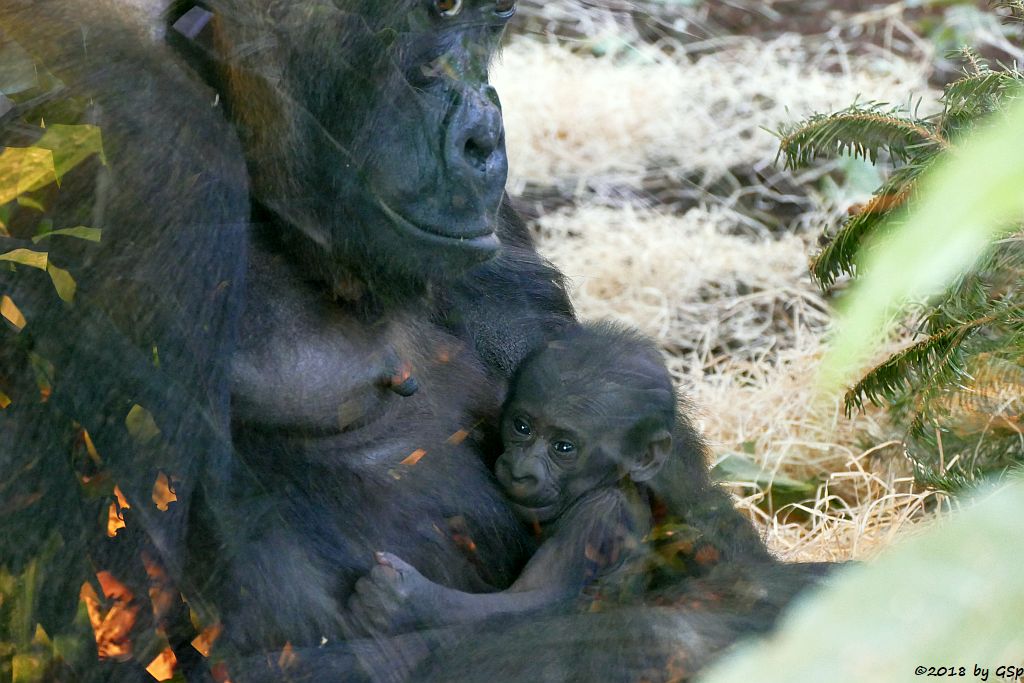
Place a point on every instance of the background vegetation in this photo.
(650, 168)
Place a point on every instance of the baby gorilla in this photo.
(588, 419)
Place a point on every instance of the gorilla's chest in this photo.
(310, 366)
(324, 412)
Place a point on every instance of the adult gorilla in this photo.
(307, 298)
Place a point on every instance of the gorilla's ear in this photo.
(651, 455)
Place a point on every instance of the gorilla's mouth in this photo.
(482, 240)
(530, 513)
(540, 505)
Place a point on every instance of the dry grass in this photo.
(592, 117)
(730, 304)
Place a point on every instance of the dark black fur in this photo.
(253, 294)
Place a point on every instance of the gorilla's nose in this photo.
(526, 474)
(477, 144)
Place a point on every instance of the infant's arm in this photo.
(395, 596)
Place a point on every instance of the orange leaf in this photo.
(114, 520)
(162, 668)
(288, 656)
(163, 494)
(414, 457)
(111, 629)
(458, 437)
(205, 640)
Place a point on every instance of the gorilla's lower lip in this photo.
(534, 505)
(540, 513)
(481, 240)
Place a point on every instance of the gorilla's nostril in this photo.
(477, 154)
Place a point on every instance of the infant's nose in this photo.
(526, 473)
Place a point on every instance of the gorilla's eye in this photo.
(448, 8)
(505, 8)
(564, 447)
(521, 426)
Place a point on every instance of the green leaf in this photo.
(30, 203)
(81, 232)
(71, 145)
(28, 668)
(735, 467)
(931, 362)
(141, 425)
(27, 257)
(950, 597)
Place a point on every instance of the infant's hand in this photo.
(392, 597)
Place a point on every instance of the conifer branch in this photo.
(969, 90)
(858, 131)
(838, 257)
(1015, 8)
(934, 361)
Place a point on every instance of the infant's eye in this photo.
(448, 8)
(505, 8)
(564, 447)
(521, 426)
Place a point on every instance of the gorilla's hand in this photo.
(393, 597)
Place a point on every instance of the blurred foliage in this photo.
(30, 180)
(950, 598)
(959, 388)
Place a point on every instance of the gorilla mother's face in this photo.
(371, 127)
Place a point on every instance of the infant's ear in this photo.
(651, 456)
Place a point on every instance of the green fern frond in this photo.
(936, 358)
(839, 255)
(995, 282)
(958, 481)
(970, 90)
(976, 65)
(1015, 7)
(859, 131)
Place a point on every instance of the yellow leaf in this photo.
(12, 312)
(27, 257)
(5, 401)
(288, 656)
(205, 640)
(24, 169)
(81, 232)
(90, 448)
(62, 282)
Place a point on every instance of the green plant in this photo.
(959, 387)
